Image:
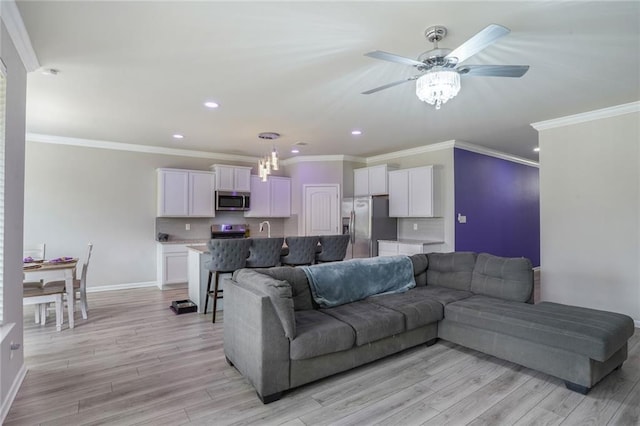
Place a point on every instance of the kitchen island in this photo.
(198, 275)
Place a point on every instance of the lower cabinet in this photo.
(394, 248)
(172, 264)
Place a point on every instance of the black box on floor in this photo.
(183, 306)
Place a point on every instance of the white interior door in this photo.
(321, 209)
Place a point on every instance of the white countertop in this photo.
(408, 241)
(199, 248)
(194, 241)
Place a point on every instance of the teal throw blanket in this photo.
(337, 283)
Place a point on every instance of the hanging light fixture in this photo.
(438, 85)
(274, 158)
(271, 160)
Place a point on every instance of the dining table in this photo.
(54, 270)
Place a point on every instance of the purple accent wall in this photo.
(501, 200)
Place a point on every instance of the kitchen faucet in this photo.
(266, 222)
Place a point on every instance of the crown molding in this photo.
(410, 152)
(147, 149)
(588, 116)
(15, 27)
(497, 154)
(314, 158)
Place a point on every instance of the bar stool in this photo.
(264, 252)
(302, 251)
(334, 248)
(227, 256)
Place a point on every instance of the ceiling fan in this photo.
(440, 70)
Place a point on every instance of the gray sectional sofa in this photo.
(279, 338)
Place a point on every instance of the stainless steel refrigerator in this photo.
(367, 220)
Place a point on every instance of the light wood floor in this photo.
(135, 362)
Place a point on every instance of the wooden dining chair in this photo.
(34, 251)
(79, 285)
(35, 293)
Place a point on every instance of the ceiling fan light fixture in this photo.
(437, 86)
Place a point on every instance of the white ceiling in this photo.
(138, 72)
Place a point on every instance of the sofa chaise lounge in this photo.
(279, 337)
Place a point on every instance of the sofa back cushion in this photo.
(503, 277)
(279, 292)
(452, 270)
(420, 262)
(301, 293)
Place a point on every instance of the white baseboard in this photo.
(11, 395)
(637, 323)
(126, 286)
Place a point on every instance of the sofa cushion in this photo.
(420, 263)
(502, 277)
(320, 334)
(443, 295)
(279, 293)
(452, 270)
(593, 333)
(370, 321)
(417, 309)
(301, 293)
(338, 283)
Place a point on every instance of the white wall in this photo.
(432, 228)
(308, 172)
(75, 195)
(590, 214)
(12, 366)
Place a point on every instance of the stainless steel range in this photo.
(229, 231)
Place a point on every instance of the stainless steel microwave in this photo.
(232, 201)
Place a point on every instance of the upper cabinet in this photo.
(370, 180)
(232, 178)
(184, 193)
(412, 193)
(271, 198)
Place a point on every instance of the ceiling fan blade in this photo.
(379, 54)
(493, 70)
(386, 86)
(478, 42)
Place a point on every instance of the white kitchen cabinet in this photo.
(280, 196)
(411, 192)
(387, 248)
(370, 180)
(271, 198)
(232, 178)
(399, 193)
(394, 248)
(185, 193)
(172, 264)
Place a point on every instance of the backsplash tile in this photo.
(428, 228)
(201, 227)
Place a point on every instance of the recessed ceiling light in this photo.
(536, 149)
(178, 136)
(356, 132)
(295, 151)
(211, 104)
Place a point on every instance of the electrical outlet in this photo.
(415, 226)
(187, 227)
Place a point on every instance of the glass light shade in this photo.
(437, 86)
(274, 159)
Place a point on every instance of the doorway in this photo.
(321, 209)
